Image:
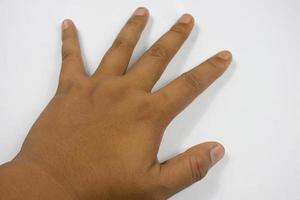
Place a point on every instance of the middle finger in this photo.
(148, 69)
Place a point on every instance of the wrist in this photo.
(20, 179)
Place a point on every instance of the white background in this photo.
(253, 109)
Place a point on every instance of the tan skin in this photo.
(99, 136)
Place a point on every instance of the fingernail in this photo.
(217, 154)
(65, 24)
(185, 19)
(141, 11)
(225, 55)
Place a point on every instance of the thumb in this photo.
(189, 167)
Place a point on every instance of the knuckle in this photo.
(63, 78)
(147, 111)
(122, 42)
(66, 53)
(74, 84)
(64, 85)
(82, 85)
(70, 54)
(114, 92)
(133, 22)
(197, 168)
(166, 115)
(191, 80)
(159, 51)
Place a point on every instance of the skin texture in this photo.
(99, 136)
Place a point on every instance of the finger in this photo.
(189, 167)
(148, 69)
(72, 65)
(116, 59)
(182, 91)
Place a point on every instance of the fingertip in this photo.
(186, 18)
(225, 55)
(216, 153)
(66, 23)
(214, 150)
(141, 11)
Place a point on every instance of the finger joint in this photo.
(191, 80)
(217, 65)
(159, 52)
(198, 170)
(70, 54)
(134, 22)
(123, 42)
(179, 30)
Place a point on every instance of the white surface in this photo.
(254, 109)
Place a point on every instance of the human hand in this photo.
(99, 136)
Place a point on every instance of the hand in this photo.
(99, 136)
